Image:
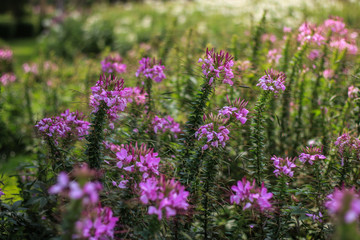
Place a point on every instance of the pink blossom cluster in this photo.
(336, 25)
(6, 55)
(7, 78)
(213, 138)
(165, 124)
(113, 64)
(239, 113)
(136, 94)
(97, 224)
(353, 92)
(268, 37)
(151, 69)
(89, 193)
(273, 56)
(67, 125)
(30, 68)
(314, 54)
(139, 160)
(344, 202)
(272, 81)
(109, 90)
(250, 196)
(217, 65)
(309, 32)
(164, 196)
(342, 44)
(311, 154)
(346, 142)
(283, 166)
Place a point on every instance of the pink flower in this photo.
(7, 78)
(272, 81)
(30, 68)
(287, 29)
(96, 224)
(62, 183)
(310, 33)
(113, 64)
(136, 94)
(213, 138)
(283, 166)
(344, 202)
(314, 54)
(109, 91)
(164, 196)
(342, 45)
(315, 217)
(6, 55)
(328, 73)
(311, 154)
(151, 69)
(336, 25)
(273, 56)
(352, 92)
(69, 125)
(165, 124)
(249, 196)
(217, 65)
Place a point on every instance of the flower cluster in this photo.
(353, 92)
(97, 223)
(347, 143)
(94, 222)
(272, 81)
(250, 196)
(7, 78)
(217, 65)
(214, 138)
(136, 94)
(345, 203)
(30, 68)
(165, 124)
(113, 64)
(89, 193)
(315, 217)
(273, 56)
(236, 110)
(311, 154)
(283, 166)
(163, 196)
(67, 125)
(151, 69)
(342, 44)
(310, 33)
(110, 91)
(6, 55)
(135, 159)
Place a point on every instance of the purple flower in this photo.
(31, 68)
(1, 192)
(67, 125)
(315, 217)
(352, 91)
(310, 33)
(165, 124)
(217, 65)
(7, 78)
(283, 166)
(250, 196)
(213, 138)
(110, 91)
(62, 183)
(236, 110)
(96, 224)
(136, 94)
(311, 154)
(164, 196)
(6, 55)
(151, 69)
(113, 64)
(344, 202)
(272, 81)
